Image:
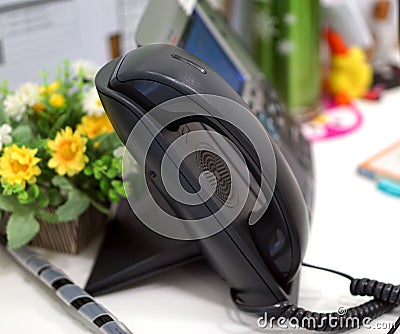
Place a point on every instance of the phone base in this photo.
(132, 252)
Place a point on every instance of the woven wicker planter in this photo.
(69, 237)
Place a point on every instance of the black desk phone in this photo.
(260, 262)
(205, 34)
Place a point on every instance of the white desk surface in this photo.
(355, 229)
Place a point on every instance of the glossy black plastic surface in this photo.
(259, 262)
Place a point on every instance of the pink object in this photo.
(335, 120)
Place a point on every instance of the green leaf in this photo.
(57, 125)
(23, 135)
(98, 139)
(75, 205)
(23, 197)
(112, 173)
(43, 201)
(117, 183)
(117, 163)
(40, 143)
(97, 174)
(62, 182)
(106, 159)
(54, 197)
(11, 204)
(113, 196)
(9, 189)
(104, 185)
(44, 76)
(108, 142)
(43, 126)
(21, 228)
(3, 116)
(47, 216)
(88, 171)
(33, 191)
(119, 187)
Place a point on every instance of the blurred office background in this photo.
(38, 34)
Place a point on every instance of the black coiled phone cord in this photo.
(386, 297)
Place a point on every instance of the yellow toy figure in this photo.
(350, 75)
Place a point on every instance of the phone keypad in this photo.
(263, 100)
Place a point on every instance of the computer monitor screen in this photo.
(200, 41)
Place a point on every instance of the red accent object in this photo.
(336, 42)
(342, 98)
(374, 94)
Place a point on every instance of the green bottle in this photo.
(286, 46)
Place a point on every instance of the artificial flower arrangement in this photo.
(58, 152)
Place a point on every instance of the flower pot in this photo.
(58, 150)
(71, 237)
(68, 237)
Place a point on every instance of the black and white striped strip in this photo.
(89, 311)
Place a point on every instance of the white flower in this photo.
(266, 24)
(119, 152)
(5, 130)
(285, 47)
(14, 106)
(130, 167)
(290, 19)
(30, 93)
(91, 103)
(87, 68)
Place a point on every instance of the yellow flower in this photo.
(67, 152)
(50, 89)
(19, 165)
(92, 126)
(57, 100)
(39, 106)
(53, 87)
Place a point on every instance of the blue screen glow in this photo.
(200, 41)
